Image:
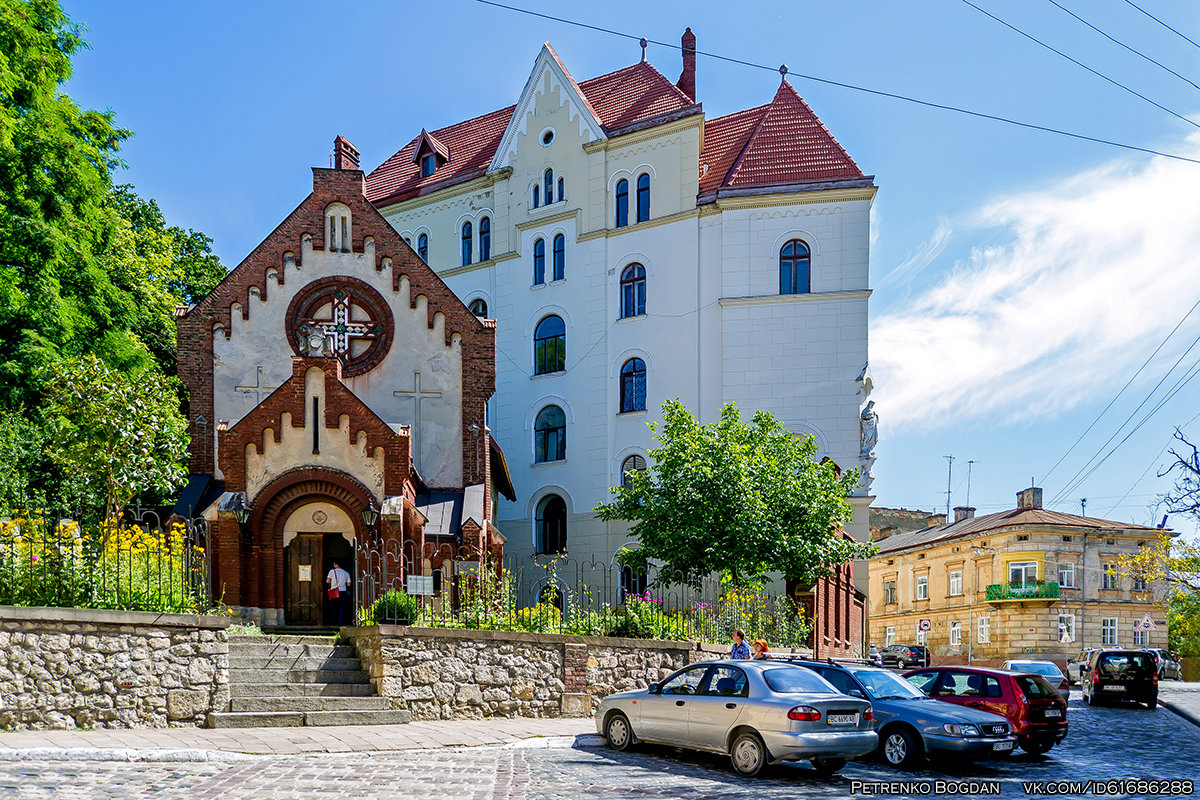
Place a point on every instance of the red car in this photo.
(1037, 712)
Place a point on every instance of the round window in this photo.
(342, 317)
(547, 136)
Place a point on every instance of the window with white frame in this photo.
(922, 587)
(955, 633)
(889, 636)
(922, 635)
(1139, 584)
(955, 582)
(1108, 631)
(1066, 627)
(1021, 572)
(983, 630)
(1108, 573)
(1066, 574)
(1141, 638)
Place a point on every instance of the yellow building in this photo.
(1027, 582)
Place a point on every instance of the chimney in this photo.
(1030, 498)
(345, 155)
(963, 512)
(935, 520)
(687, 79)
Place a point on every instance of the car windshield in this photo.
(792, 680)
(1035, 686)
(883, 685)
(1125, 665)
(1038, 668)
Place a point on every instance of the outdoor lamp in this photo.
(370, 516)
(241, 515)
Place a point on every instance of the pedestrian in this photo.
(339, 592)
(740, 648)
(761, 651)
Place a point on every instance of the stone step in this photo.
(266, 650)
(241, 662)
(297, 676)
(275, 704)
(285, 639)
(294, 630)
(289, 719)
(251, 689)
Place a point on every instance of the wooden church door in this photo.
(305, 580)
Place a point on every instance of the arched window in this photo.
(548, 185)
(551, 525)
(633, 581)
(633, 463)
(485, 239)
(478, 307)
(549, 346)
(643, 197)
(550, 435)
(537, 194)
(633, 291)
(552, 596)
(562, 190)
(622, 209)
(423, 247)
(793, 268)
(539, 262)
(466, 244)
(559, 263)
(633, 385)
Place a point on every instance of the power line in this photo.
(1133, 50)
(1122, 391)
(1078, 63)
(853, 87)
(1160, 22)
(1153, 461)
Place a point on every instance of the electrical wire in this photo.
(1160, 22)
(1118, 42)
(1153, 461)
(856, 88)
(1078, 63)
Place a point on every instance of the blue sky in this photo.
(1021, 278)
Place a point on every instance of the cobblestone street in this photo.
(1104, 744)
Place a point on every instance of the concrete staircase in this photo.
(289, 680)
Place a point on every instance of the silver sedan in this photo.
(756, 712)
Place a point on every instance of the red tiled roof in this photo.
(618, 99)
(782, 142)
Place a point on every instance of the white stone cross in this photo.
(340, 330)
(258, 388)
(416, 395)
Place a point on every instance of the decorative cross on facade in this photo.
(258, 388)
(416, 395)
(339, 330)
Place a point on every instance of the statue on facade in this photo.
(868, 422)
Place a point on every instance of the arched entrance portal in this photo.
(303, 521)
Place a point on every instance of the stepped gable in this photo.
(620, 99)
(780, 143)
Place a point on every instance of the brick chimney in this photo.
(345, 155)
(935, 520)
(1030, 498)
(687, 79)
(963, 512)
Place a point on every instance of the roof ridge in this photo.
(796, 95)
(737, 162)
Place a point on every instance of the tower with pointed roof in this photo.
(633, 249)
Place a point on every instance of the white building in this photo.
(633, 250)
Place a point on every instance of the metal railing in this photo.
(1038, 590)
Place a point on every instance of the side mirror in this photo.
(857, 693)
(653, 688)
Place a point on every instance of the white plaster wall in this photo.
(304, 520)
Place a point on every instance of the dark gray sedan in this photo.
(757, 712)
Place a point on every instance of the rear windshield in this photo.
(1039, 668)
(1035, 686)
(1125, 665)
(791, 680)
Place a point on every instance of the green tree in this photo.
(114, 435)
(735, 498)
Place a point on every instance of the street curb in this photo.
(1187, 715)
(161, 754)
(557, 742)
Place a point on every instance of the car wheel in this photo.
(748, 754)
(828, 766)
(900, 663)
(1152, 703)
(900, 748)
(1035, 746)
(617, 733)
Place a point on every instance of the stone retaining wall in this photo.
(463, 674)
(85, 668)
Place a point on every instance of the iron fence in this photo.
(139, 563)
(449, 586)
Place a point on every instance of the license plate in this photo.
(1002, 746)
(1114, 688)
(1054, 712)
(842, 719)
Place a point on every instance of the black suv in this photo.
(1120, 675)
(903, 656)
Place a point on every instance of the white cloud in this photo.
(921, 258)
(1094, 274)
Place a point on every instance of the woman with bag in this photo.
(339, 592)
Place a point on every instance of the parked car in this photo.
(905, 655)
(1047, 669)
(1077, 665)
(874, 657)
(756, 712)
(1114, 675)
(1034, 708)
(912, 725)
(1169, 667)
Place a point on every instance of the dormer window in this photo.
(428, 164)
(429, 153)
